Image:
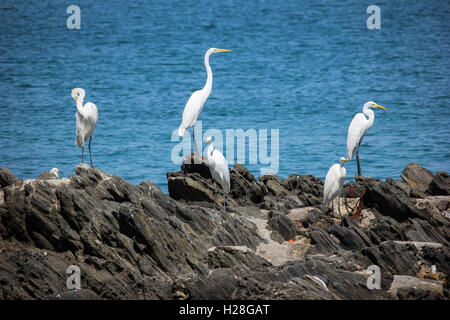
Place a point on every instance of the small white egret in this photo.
(334, 182)
(87, 117)
(197, 100)
(219, 170)
(55, 172)
(358, 128)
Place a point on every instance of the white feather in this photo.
(333, 183)
(197, 99)
(218, 167)
(86, 119)
(192, 110)
(356, 131)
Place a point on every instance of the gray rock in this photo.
(417, 177)
(407, 288)
(135, 242)
(283, 225)
(387, 197)
(129, 241)
(7, 178)
(440, 184)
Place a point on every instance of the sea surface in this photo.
(304, 68)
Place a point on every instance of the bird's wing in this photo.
(86, 123)
(91, 118)
(221, 167)
(192, 109)
(331, 180)
(342, 176)
(91, 112)
(355, 134)
(79, 141)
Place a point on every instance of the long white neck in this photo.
(209, 80)
(343, 172)
(80, 104)
(370, 114)
(209, 151)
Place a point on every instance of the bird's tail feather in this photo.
(181, 131)
(79, 141)
(350, 154)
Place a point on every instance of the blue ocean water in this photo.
(303, 67)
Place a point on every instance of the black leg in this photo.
(215, 190)
(90, 154)
(195, 142)
(82, 154)
(357, 161)
(224, 202)
(339, 207)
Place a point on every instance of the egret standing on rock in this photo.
(219, 170)
(358, 127)
(87, 117)
(333, 184)
(197, 100)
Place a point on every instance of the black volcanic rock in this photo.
(391, 200)
(119, 235)
(417, 177)
(283, 225)
(423, 181)
(7, 178)
(440, 184)
(304, 184)
(244, 187)
(350, 238)
(387, 197)
(275, 241)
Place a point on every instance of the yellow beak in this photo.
(222, 50)
(74, 98)
(378, 106)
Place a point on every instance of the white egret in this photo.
(197, 100)
(55, 172)
(219, 170)
(87, 117)
(358, 127)
(334, 182)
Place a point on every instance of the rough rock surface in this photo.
(275, 241)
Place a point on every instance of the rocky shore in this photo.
(275, 241)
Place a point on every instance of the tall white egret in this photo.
(358, 127)
(197, 100)
(334, 182)
(219, 170)
(87, 117)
